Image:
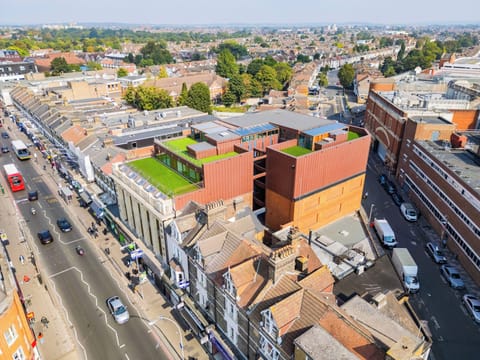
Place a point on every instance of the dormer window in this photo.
(269, 325)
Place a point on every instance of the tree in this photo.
(284, 72)
(122, 72)
(182, 98)
(267, 76)
(130, 58)
(235, 48)
(157, 52)
(228, 98)
(148, 98)
(346, 74)
(254, 66)
(92, 65)
(199, 98)
(162, 73)
(237, 87)
(322, 79)
(226, 64)
(58, 66)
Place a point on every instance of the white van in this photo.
(408, 212)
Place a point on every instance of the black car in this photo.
(5, 135)
(32, 195)
(64, 225)
(389, 187)
(397, 199)
(45, 237)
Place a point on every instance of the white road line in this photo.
(435, 322)
(126, 355)
(122, 346)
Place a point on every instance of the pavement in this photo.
(58, 338)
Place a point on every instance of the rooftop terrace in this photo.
(179, 147)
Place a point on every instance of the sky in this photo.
(228, 12)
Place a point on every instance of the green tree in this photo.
(156, 52)
(162, 73)
(199, 98)
(228, 98)
(322, 79)
(267, 76)
(235, 48)
(182, 98)
(254, 66)
(148, 98)
(21, 50)
(237, 87)
(122, 72)
(270, 61)
(284, 72)
(346, 75)
(226, 64)
(58, 66)
(92, 65)
(129, 96)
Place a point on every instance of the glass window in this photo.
(10, 335)
(19, 354)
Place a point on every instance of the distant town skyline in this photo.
(248, 12)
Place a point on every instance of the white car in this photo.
(435, 253)
(472, 304)
(408, 211)
(118, 310)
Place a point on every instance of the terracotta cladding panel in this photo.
(323, 168)
(278, 210)
(281, 170)
(465, 119)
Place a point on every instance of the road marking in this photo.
(122, 346)
(126, 355)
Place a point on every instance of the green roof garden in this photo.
(179, 147)
(162, 177)
(296, 151)
(352, 135)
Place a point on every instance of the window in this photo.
(10, 335)
(19, 354)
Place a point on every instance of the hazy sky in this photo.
(239, 12)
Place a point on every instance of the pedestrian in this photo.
(365, 195)
(22, 259)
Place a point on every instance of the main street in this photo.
(80, 283)
(455, 335)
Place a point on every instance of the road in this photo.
(455, 335)
(81, 283)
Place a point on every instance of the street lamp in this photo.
(370, 215)
(151, 323)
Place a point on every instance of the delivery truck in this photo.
(385, 233)
(406, 268)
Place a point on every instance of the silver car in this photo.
(118, 310)
(472, 304)
(435, 253)
(452, 276)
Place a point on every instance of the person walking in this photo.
(22, 259)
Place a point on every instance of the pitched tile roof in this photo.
(320, 280)
(249, 278)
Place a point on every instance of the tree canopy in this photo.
(156, 52)
(148, 98)
(226, 64)
(198, 98)
(346, 74)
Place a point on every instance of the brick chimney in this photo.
(280, 262)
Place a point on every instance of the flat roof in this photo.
(464, 163)
(326, 129)
(430, 119)
(282, 118)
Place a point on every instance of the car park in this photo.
(435, 253)
(472, 304)
(45, 237)
(397, 199)
(64, 225)
(452, 276)
(118, 310)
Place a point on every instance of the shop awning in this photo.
(191, 320)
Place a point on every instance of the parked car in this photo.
(397, 199)
(64, 225)
(5, 135)
(409, 212)
(382, 179)
(472, 304)
(118, 310)
(45, 237)
(435, 253)
(389, 187)
(5, 149)
(452, 276)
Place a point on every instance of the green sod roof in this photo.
(296, 151)
(162, 177)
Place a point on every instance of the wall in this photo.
(465, 119)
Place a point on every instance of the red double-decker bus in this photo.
(14, 177)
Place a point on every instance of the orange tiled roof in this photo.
(74, 134)
(320, 280)
(287, 311)
(249, 278)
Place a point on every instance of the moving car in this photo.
(45, 237)
(452, 276)
(118, 310)
(33, 195)
(435, 253)
(64, 225)
(472, 304)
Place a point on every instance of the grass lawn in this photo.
(352, 135)
(296, 151)
(162, 177)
